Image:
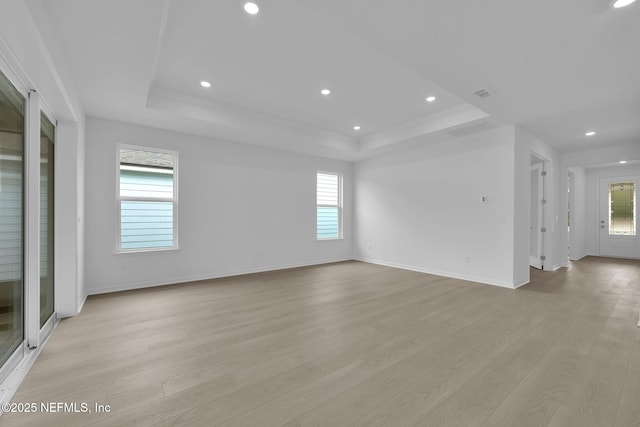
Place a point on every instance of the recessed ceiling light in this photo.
(622, 3)
(251, 8)
(431, 98)
(325, 91)
(205, 83)
(356, 127)
(590, 133)
(622, 162)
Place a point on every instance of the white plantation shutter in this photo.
(329, 206)
(327, 189)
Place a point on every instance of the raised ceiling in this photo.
(555, 68)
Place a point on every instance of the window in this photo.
(329, 206)
(147, 199)
(622, 214)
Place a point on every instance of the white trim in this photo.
(481, 280)
(599, 201)
(144, 251)
(545, 243)
(81, 305)
(616, 257)
(10, 364)
(340, 206)
(522, 283)
(48, 326)
(212, 276)
(32, 222)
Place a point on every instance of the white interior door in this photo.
(536, 215)
(618, 217)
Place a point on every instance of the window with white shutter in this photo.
(147, 199)
(329, 206)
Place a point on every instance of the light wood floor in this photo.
(352, 344)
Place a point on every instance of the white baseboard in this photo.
(522, 283)
(210, 276)
(476, 279)
(81, 305)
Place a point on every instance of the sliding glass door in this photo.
(27, 304)
(47, 136)
(12, 125)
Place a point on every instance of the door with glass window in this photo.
(618, 217)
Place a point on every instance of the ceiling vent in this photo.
(485, 92)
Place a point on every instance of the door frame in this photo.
(542, 165)
(534, 260)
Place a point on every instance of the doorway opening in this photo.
(537, 228)
(571, 187)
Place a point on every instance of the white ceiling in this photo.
(556, 68)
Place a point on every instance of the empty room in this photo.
(327, 213)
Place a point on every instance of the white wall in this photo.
(421, 209)
(241, 209)
(578, 234)
(69, 291)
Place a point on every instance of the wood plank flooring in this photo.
(351, 344)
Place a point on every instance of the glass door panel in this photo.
(622, 215)
(47, 135)
(12, 113)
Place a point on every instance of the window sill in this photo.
(329, 239)
(144, 251)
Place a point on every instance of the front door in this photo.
(618, 217)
